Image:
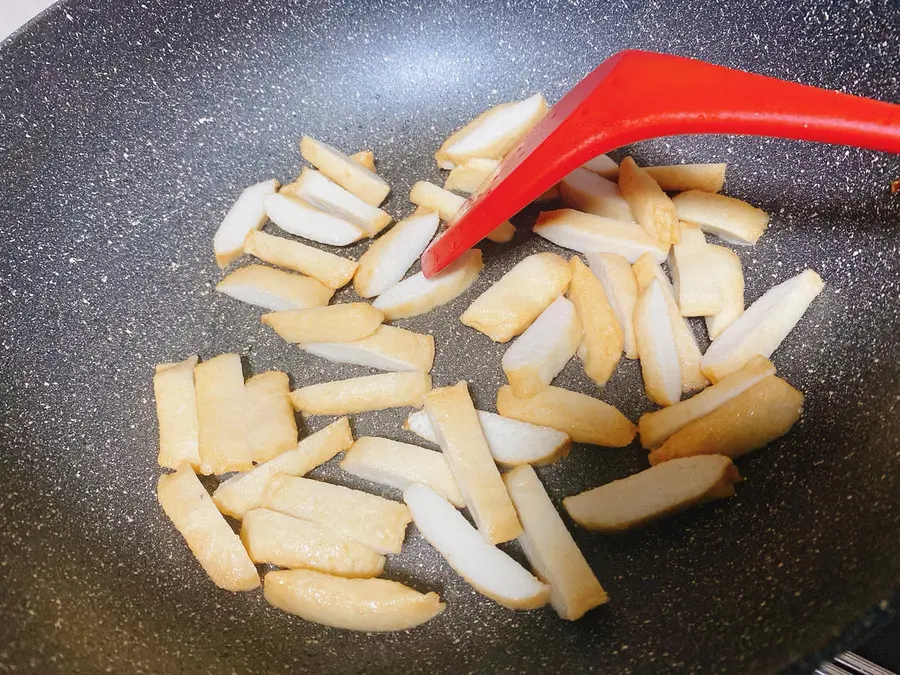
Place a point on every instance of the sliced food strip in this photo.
(550, 549)
(749, 421)
(760, 329)
(399, 465)
(660, 366)
(316, 189)
(241, 424)
(388, 348)
(584, 190)
(683, 177)
(176, 410)
(277, 539)
(373, 521)
(602, 337)
(584, 418)
(654, 493)
(458, 432)
(493, 133)
(364, 158)
(246, 215)
(617, 278)
(366, 605)
(587, 233)
(693, 275)
(221, 435)
(217, 548)
(469, 176)
(300, 218)
(731, 219)
(393, 253)
(343, 170)
(429, 196)
(350, 321)
(274, 289)
(270, 426)
(655, 427)
(726, 267)
(603, 165)
(332, 270)
(646, 269)
(651, 207)
(489, 570)
(362, 394)
(417, 295)
(543, 350)
(511, 442)
(508, 307)
(245, 491)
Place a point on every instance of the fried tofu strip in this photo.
(655, 427)
(587, 233)
(543, 350)
(332, 270)
(217, 548)
(366, 605)
(417, 295)
(245, 491)
(343, 170)
(763, 326)
(388, 348)
(602, 339)
(749, 421)
(683, 177)
(241, 424)
(458, 432)
(399, 465)
(176, 410)
(277, 539)
(246, 215)
(511, 442)
(301, 218)
(493, 133)
(489, 570)
(274, 289)
(586, 191)
(550, 549)
(645, 271)
(327, 196)
(361, 394)
(350, 321)
(652, 494)
(660, 366)
(584, 418)
(617, 278)
(508, 307)
(650, 206)
(391, 255)
(731, 219)
(373, 521)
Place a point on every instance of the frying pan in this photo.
(128, 128)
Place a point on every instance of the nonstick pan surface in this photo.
(128, 128)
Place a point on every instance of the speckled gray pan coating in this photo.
(129, 127)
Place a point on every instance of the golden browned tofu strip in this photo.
(585, 418)
(368, 605)
(749, 421)
(650, 206)
(209, 536)
(455, 423)
(654, 493)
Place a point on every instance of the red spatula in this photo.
(635, 95)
